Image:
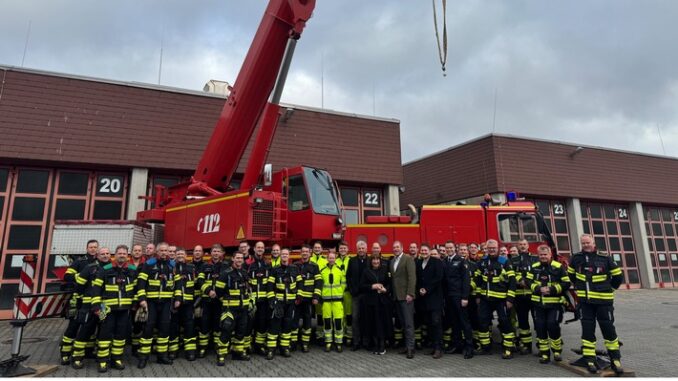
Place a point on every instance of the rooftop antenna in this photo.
(28, 34)
(162, 38)
(661, 140)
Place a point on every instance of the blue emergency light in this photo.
(511, 196)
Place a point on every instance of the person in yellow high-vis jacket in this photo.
(342, 261)
(334, 284)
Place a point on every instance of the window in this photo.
(28, 209)
(13, 265)
(23, 237)
(107, 210)
(349, 197)
(370, 213)
(4, 175)
(8, 291)
(321, 190)
(32, 181)
(73, 183)
(351, 216)
(514, 227)
(67, 209)
(297, 199)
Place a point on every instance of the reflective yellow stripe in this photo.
(207, 202)
(616, 271)
(599, 278)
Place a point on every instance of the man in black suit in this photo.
(430, 273)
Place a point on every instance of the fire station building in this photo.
(626, 200)
(82, 148)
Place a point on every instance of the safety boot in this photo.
(269, 354)
(221, 360)
(103, 367)
(468, 353)
(484, 350)
(524, 350)
(544, 358)
(328, 347)
(172, 355)
(286, 352)
(507, 354)
(242, 356)
(77, 364)
(190, 355)
(201, 353)
(304, 348)
(65, 360)
(142, 362)
(616, 365)
(117, 364)
(557, 357)
(339, 348)
(592, 367)
(164, 359)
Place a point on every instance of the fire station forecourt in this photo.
(645, 320)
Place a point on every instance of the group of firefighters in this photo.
(163, 300)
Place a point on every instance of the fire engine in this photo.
(301, 204)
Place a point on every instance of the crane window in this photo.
(514, 227)
(298, 199)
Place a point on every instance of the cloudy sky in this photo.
(601, 72)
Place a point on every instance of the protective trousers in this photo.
(547, 324)
(209, 322)
(69, 337)
(113, 332)
(462, 335)
(319, 332)
(485, 312)
(183, 318)
(304, 312)
(233, 328)
(474, 319)
(333, 312)
(523, 306)
(137, 331)
(604, 314)
(259, 324)
(86, 333)
(158, 316)
(281, 327)
(447, 325)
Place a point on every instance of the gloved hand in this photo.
(197, 313)
(141, 315)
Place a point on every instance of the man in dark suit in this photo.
(430, 273)
(404, 277)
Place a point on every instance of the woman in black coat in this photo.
(375, 286)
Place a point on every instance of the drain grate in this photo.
(27, 340)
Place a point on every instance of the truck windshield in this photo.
(322, 192)
(514, 227)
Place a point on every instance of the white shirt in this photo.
(395, 263)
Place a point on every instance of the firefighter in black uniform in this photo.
(210, 306)
(76, 300)
(136, 259)
(156, 295)
(309, 294)
(184, 276)
(283, 285)
(595, 276)
(88, 313)
(113, 291)
(548, 282)
(472, 263)
(457, 282)
(522, 264)
(259, 272)
(198, 263)
(496, 285)
(233, 290)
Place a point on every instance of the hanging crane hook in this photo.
(442, 49)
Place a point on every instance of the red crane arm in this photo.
(283, 20)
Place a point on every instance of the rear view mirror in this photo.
(268, 175)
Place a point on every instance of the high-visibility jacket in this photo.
(551, 275)
(595, 277)
(319, 260)
(185, 276)
(259, 272)
(495, 279)
(275, 262)
(334, 283)
(233, 288)
(284, 283)
(208, 276)
(156, 281)
(73, 270)
(342, 263)
(115, 286)
(522, 265)
(312, 282)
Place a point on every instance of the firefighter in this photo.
(595, 276)
(356, 267)
(309, 297)
(155, 290)
(522, 264)
(343, 261)
(472, 264)
(210, 307)
(548, 281)
(88, 313)
(496, 284)
(150, 251)
(137, 259)
(334, 285)
(113, 291)
(275, 255)
(284, 284)
(232, 289)
(182, 317)
(198, 263)
(76, 299)
(244, 248)
(457, 285)
(258, 272)
(319, 259)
